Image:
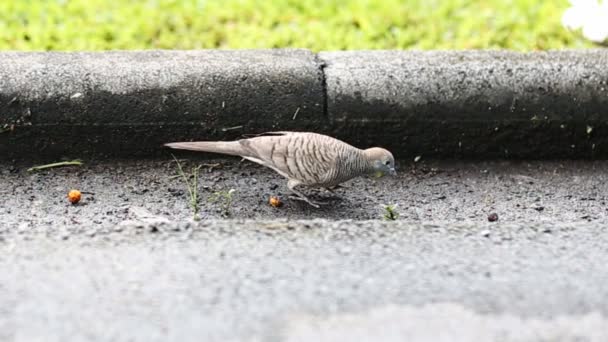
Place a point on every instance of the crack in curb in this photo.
(322, 65)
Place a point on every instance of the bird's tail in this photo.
(233, 148)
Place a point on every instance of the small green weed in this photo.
(224, 199)
(390, 212)
(192, 186)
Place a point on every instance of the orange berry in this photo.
(74, 196)
(275, 201)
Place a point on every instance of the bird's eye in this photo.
(388, 162)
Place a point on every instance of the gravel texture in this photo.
(424, 191)
(128, 263)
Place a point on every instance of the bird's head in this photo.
(381, 161)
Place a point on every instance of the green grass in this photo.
(192, 186)
(224, 199)
(390, 212)
(313, 24)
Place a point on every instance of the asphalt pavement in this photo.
(308, 281)
(128, 263)
(457, 191)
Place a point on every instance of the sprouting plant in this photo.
(224, 198)
(390, 212)
(192, 186)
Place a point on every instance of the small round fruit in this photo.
(275, 201)
(74, 196)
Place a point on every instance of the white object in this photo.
(589, 15)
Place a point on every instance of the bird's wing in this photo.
(305, 157)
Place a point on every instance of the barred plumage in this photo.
(308, 159)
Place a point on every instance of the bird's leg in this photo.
(332, 190)
(304, 199)
(338, 186)
(292, 184)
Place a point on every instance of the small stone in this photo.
(485, 233)
(493, 217)
(175, 192)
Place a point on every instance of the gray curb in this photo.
(471, 104)
(130, 103)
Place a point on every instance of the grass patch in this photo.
(192, 186)
(314, 24)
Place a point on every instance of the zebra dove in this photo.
(307, 159)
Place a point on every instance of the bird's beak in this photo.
(392, 172)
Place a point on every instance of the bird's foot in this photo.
(334, 194)
(316, 204)
(341, 186)
(331, 190)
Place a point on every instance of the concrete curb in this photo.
(474, 104)
(129, 103)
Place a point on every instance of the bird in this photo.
(305, 159)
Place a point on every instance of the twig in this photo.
(58, 164)
(226, 129)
